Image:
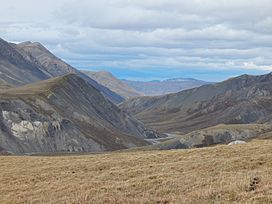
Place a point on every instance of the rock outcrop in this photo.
(236, 142)
(220, 134)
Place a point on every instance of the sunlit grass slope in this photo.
(221, 174)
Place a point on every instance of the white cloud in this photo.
(146, 33)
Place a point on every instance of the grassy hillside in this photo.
(220, 174)
(35, 88)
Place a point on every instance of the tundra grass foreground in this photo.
(221, 174)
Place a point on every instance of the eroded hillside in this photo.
(65, 114)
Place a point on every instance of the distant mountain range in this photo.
(157, 87)
(130, 89)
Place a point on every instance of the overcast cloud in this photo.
(192, 38)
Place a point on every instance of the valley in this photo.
(50, 106)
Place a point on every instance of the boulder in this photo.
(237, 142)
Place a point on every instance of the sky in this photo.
(210, 40)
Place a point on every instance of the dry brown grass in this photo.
(219, 174)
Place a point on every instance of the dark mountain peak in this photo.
(36, 50)
(16, 69)
(57, 67)
(8, 52)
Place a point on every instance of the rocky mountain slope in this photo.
(65, 114)
(153, 88)
(15, 70)
(56, 67)
(108, 80)
(241, 100)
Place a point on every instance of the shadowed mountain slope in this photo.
(43, 65)
(240, 100)
(15, 70)
(65, 114)
(108, 80)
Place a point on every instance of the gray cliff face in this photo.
(65, 114)
(23, 130)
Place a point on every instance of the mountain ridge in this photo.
(243, 99)
(162, 87)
